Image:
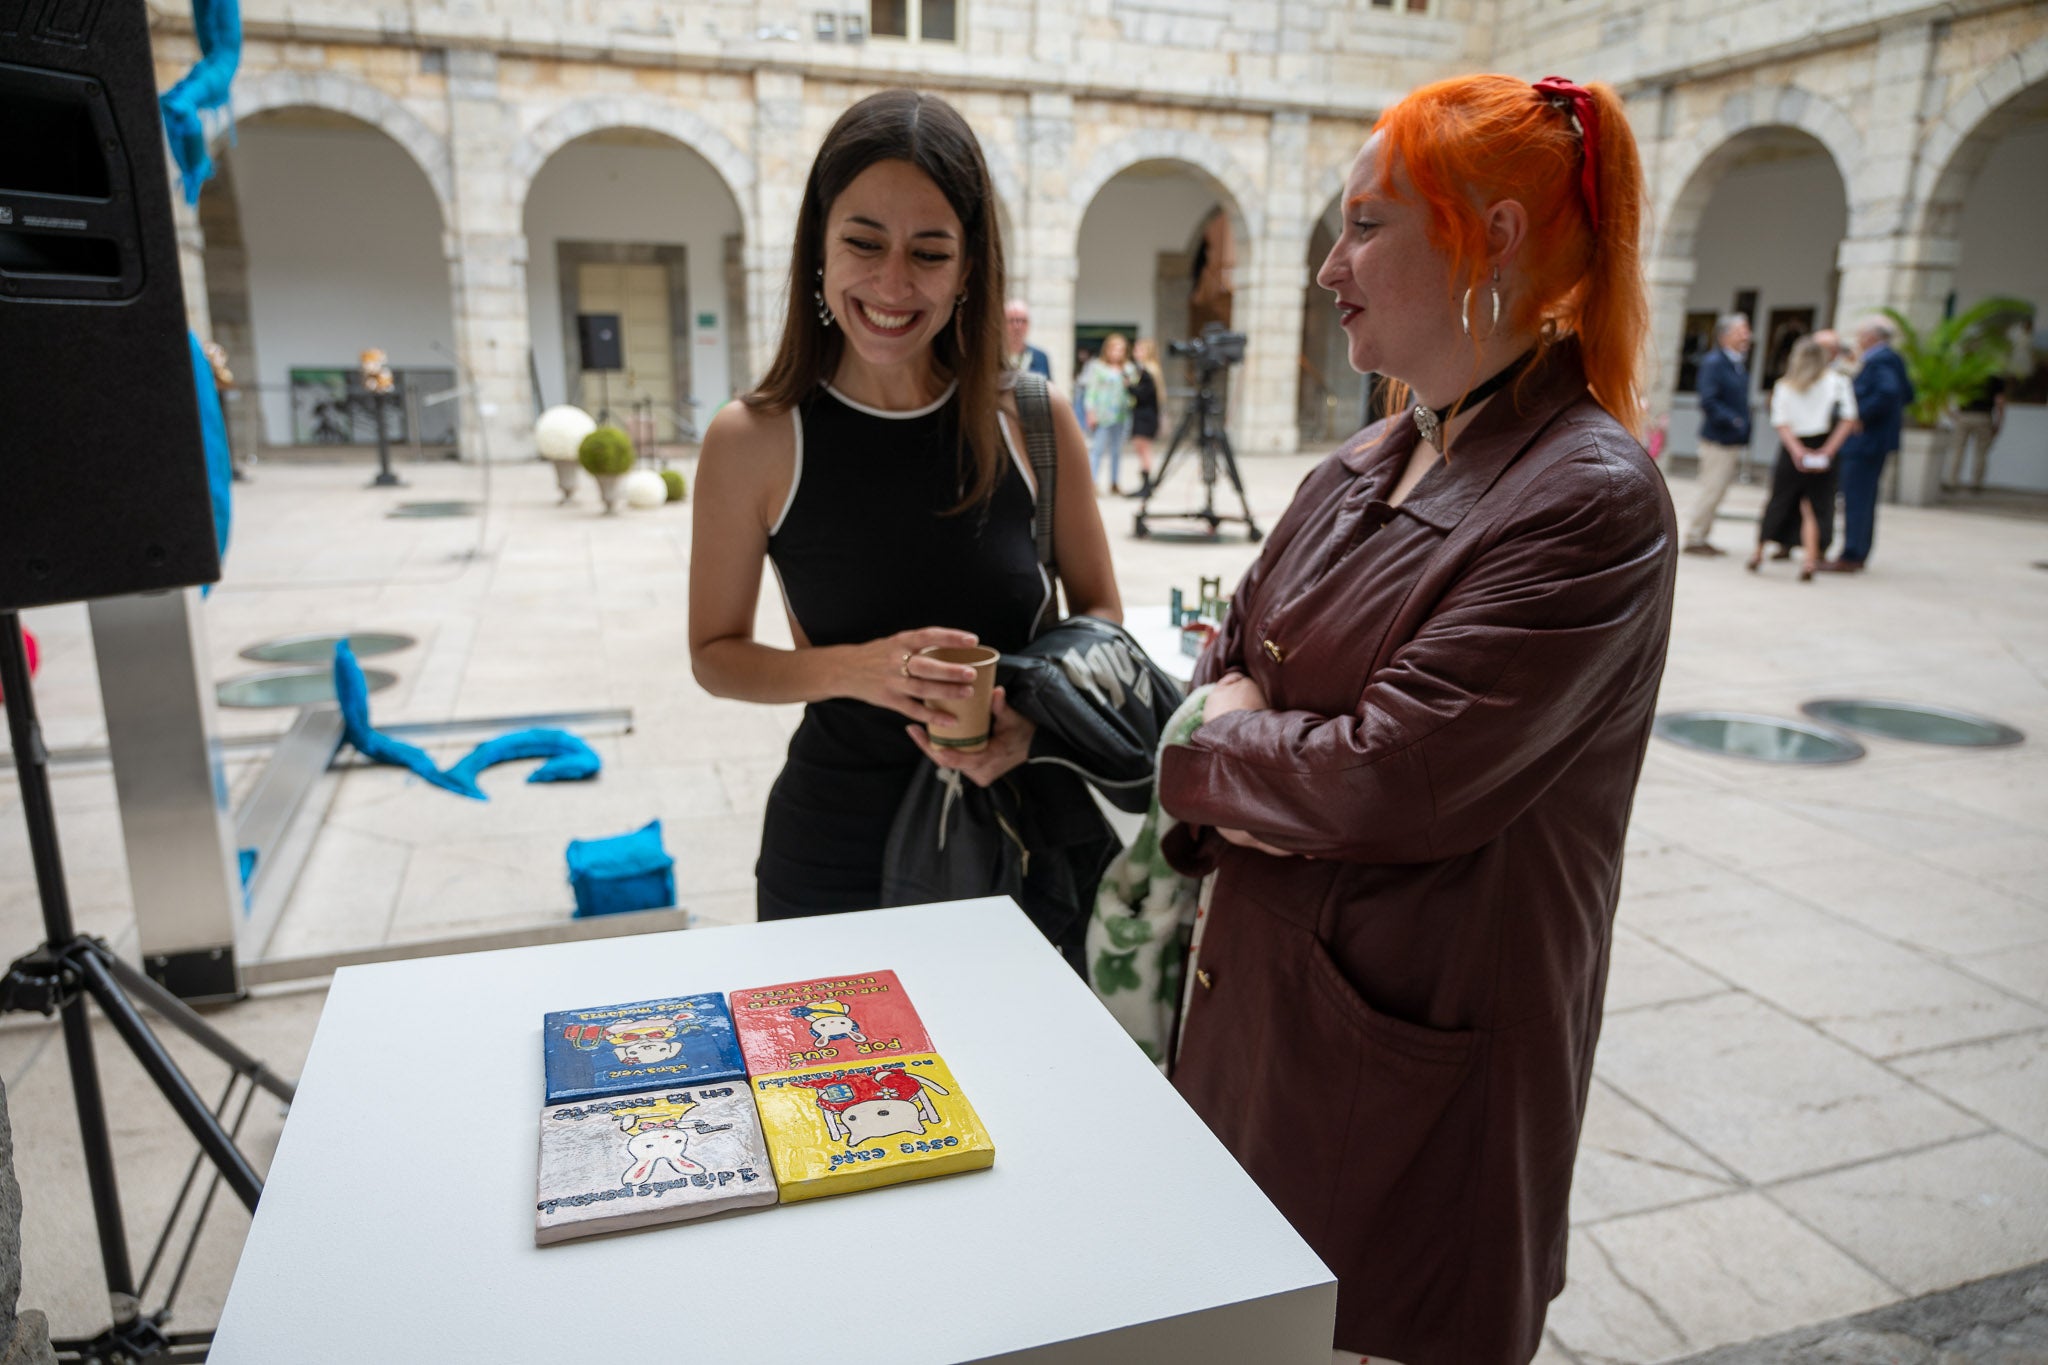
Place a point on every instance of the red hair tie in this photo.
(1588, 117)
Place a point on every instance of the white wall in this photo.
(345, 252)
(660, 196)
(1132, 220)
(2002, 253)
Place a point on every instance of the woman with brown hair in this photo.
(879, 468)
(1432, 696)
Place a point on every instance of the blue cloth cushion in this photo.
(627, 872)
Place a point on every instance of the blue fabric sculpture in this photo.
(568, 758)
(628, 872)
(213, 434)
(218, 25)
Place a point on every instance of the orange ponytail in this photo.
(1472, 141)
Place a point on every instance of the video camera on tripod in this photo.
(1213, 352)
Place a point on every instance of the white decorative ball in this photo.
(643, 488)
(559, 430)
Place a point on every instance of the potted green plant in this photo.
(608, 454)
(1949, 364)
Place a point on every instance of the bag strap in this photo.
(1034, 414)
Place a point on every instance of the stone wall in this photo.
(1267, 100)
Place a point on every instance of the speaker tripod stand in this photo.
(1204, 421)
(60, 976)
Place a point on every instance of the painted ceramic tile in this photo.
(631, 1161)
(623, 1049)
(833, 1130)
(834, 1021)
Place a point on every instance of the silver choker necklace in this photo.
(1430, 425)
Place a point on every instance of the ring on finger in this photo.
(904, 667)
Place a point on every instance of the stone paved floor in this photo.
(1823, 1086)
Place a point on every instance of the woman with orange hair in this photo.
(1432, 696)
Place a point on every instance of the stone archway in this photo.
(672, 121)
(363, 102)
(323, 233)
(1814, 144)
(666, 254)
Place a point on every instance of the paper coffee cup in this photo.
(968, 730)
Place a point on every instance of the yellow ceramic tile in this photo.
(837, 1129)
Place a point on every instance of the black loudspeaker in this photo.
(597, 337)
(101, 457)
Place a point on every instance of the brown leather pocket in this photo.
(1392, 1042)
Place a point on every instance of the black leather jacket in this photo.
(1100, 705)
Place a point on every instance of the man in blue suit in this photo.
(1883, 393)
(1724, 428)
(1021, 354)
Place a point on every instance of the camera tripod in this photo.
(1204, 421)
(59, 976)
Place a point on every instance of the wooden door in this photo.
(639, 294)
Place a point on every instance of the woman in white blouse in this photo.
(1814, 410)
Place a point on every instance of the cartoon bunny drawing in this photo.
(650, 1149)
(861, 1108)
(830, 1020)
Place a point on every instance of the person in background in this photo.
(1813, 410)
(1883, 393)
(1105, 386)
(1148, 389)
(1978, 423)
(1724, 428)
(1019, 353)
(1432, 696)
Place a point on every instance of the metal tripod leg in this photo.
(1180, 435)
(189, 1022)
(1252, 531)
(197, 1117)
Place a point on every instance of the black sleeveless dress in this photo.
(864, 548)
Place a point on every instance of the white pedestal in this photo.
(397, 1223)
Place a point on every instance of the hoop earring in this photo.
(824, 308)
(1465, 307)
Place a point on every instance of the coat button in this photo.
(1275, 653)
(1208, 982)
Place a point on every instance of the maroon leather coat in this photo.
(1394, 1033)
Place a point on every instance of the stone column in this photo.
(1881, 260)
(1670, 286)
(1269, 300)
(782, 161)
(486, 246)
(191, 261)
(1050, 230)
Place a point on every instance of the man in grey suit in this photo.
(1724, 428)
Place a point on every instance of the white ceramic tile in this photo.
(2023, 971)
(1871, 993)
(1629, 1162)
(2005, 1080)
(1604, 1317)
(1764, 1094)
(1641, 973)
(1933, 1219)
(1914, 902)
(1708, 1274)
